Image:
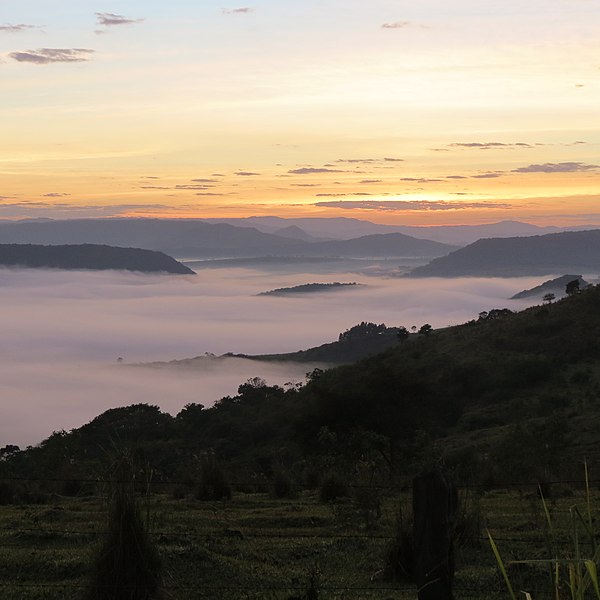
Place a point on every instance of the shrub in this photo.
(282, 485)
(213, 483)
(332, 488)
(127, 566)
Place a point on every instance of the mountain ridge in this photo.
(89, 256)
(509, 257)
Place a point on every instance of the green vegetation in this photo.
(258, 546)
(299, 487)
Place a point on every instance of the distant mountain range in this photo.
(192, 238)
(510, 257)
(343, 228)
(263, 236)
(89, 256)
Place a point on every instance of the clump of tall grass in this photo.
(213, 483)
(127, 565)
(399, 559)
(576, 574)
(282, 485)
(332, 488)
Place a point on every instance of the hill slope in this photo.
(557, 286)
(89, 256)
(538, 255)
(509, 397)
(378, 245)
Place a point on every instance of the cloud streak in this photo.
(410, 205)
(44, 56)
(313, 171)
(396, 25)
(17, 28)
(111, 20)
(563, 167)
(489, 145)
(238, 11)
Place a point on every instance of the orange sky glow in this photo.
(395, 112)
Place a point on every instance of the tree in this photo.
(127, 565)
(361, 331)
(548, 298)
(425, 329)
(402, 333)
(572, 288)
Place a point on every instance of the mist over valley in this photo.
(64, 332)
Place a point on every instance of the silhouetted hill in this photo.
(89, 256)
(295, 233)
(508, 257)
(378, 245)
(310, 288)
(555, 286)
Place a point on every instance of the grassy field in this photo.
(257, 546)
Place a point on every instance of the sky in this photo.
(417, 113)
(63, 332)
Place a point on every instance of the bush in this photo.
(213, 483)
(282, 486)
(127, 566)
(332, 488)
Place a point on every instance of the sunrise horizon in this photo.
(398, 114)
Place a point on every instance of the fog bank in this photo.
(63, 332)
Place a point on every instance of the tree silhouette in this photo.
(572, 288)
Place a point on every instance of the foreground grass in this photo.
(255, 546)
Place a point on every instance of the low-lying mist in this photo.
(63, 332)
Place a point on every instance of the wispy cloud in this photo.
(353, 161)
(396, 25)
(490, 145)
(237, 11)
(367, 161)
(246, 174)
(193, 187)
(420, 179)
(410, 205)
(337, 195)
(486, 176)
(110, 19)
(56, 195)
(563, 167)
(17, 28)
(313, 170)
(44, 56)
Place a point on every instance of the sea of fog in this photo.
(64, 331)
